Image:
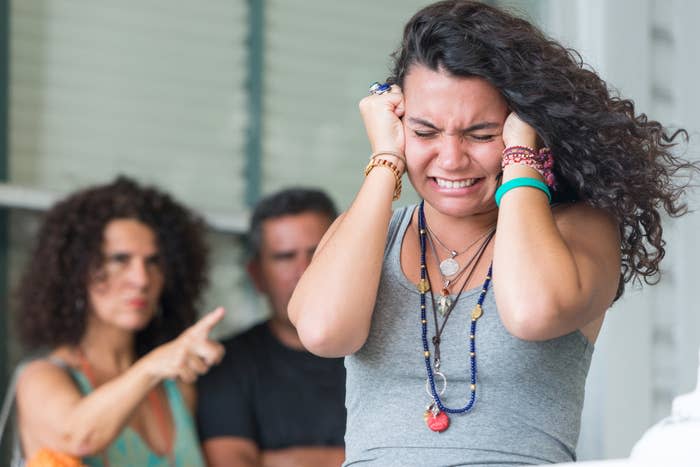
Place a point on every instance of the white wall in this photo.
(647, 352)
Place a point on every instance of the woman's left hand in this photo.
(518, 133)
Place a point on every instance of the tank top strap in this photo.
(400, 220)
(80, 379)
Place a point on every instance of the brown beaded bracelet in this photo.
(375, 162)
(397, 155)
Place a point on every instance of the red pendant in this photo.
(438, 422)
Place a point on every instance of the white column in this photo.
(614, 39)
(685, 72)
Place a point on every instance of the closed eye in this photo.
(483, 137)
(424, 134)
(284, 256)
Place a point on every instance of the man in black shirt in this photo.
(270, 402)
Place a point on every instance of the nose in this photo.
(452, 154)
(138, 273)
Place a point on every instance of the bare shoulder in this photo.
(582, 213)
(583, 222)
(593, 238)
(41, 379)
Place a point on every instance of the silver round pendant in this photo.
(449, 267)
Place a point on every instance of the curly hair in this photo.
(605, 154)
(52, 294)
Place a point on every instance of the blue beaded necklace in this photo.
(436, 415)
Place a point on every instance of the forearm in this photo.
(318, 456)
(96, 419)
(333, 302)
(537, 271)
(224, 451)
(54, 413)
(237, 459)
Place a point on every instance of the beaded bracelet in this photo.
(519, 182)
(541, 161)
(391, 166)
(397, 155)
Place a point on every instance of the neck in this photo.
(457, 232)
(286, 333)
(108, 349)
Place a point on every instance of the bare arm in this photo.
(53, 413)
(225, 451)
(318, 456)
(242, 452)
(333, 302)
(554, 271)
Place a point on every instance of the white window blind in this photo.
(320, 58)
(149, 88)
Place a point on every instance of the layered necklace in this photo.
(450, 266)
(436, 413)
(444, 302)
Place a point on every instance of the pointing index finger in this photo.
(209, 321)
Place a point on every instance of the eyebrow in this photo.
(285, 254)
(475, 127)
(115, 253)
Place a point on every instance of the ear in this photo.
(255, 274)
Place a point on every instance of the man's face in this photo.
(288, 244)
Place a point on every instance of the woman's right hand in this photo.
(382, 118)
(189, 355)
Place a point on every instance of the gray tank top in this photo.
(529, 394)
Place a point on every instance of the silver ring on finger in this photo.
(378, 89)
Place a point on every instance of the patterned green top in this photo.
(130, 449)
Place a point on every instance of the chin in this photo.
(138, 323)
(460, 208)
(135, 326)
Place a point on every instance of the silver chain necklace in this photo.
(450, 266)
(444, 301)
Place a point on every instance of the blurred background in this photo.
(220, 102)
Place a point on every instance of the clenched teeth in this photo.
(455, 184)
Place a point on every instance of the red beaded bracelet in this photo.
(542, 161)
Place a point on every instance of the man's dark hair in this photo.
(287, 202)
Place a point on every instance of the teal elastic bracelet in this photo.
(517, 183)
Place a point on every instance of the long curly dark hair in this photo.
(605, 154)
(52, 295)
